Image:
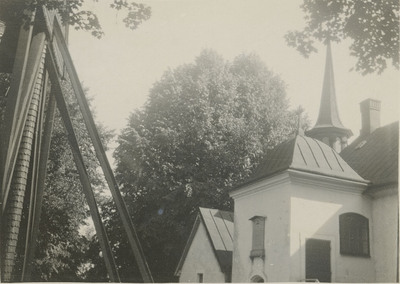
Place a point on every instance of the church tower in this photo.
(329, 128)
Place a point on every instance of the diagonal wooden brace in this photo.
(101, 155)
(83, 175)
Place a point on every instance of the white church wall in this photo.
(385, 230)
(201, 260)
(269, 200)
(315, 209)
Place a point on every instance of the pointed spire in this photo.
(328, 111)
(329, 126)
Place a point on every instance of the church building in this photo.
(318, 209)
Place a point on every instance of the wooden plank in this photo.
(101, 155)
(19, 70)
(83, 175)
(19, 109)
(38, 182)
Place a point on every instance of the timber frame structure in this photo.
(38, 58)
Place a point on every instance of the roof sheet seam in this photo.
(226, 226)
(301, 153)
(337, 159)
(312, 152)
(323, 153)
(222, 240)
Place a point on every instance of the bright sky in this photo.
(120, 68)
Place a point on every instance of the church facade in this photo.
(318, 209)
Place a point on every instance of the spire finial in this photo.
(299, 112)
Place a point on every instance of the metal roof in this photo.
(305, 154)
(375, 156)
(219, 227)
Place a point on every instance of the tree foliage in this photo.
(203, 130)
(73, 14)
(372, 26)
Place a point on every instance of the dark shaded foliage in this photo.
(71, 13)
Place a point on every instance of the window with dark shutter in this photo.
(258, 237)
(200, 278)
(354, 234)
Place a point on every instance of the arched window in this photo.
(354, 234)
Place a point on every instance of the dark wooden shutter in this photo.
(354, 234)
(318, 260)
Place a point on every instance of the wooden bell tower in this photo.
(37, 57)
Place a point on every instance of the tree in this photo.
(203, 130)
(372, 26)
(71, 13)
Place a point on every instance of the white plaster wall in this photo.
(315, 211)
(274, 205)
(201, 259)
(385, 210)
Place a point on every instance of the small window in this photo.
(354, 234)
(258, 237)
(199, 277)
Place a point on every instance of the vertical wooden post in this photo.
(22, 113)
(17, 110)
(42, 146)
(19, 68)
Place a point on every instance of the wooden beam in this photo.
(19, 69)
(17, 111)
(42, 146)
(80, 165)
(101, 155)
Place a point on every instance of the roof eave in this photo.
(342, 177)
(328, 130)
(187, 246)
